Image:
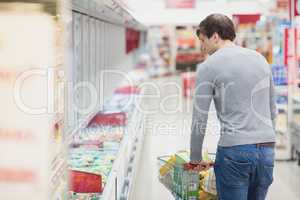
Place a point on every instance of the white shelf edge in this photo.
(109, 186)
(82, 124)
(116, 165)
(296, 98)
(282, 106)
(281, 89)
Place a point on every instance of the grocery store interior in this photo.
(97, 95)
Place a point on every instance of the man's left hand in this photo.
(198, 166)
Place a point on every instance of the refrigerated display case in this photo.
(111, 151)
(100, 59)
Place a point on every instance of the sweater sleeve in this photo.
(201, 103)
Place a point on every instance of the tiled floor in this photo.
(169, 132)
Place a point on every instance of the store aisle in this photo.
(167, 133)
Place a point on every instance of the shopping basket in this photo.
(183, 184)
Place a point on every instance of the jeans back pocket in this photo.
(234, 172)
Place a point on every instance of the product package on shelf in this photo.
(124, 99)
(95, 149)
(84, 196)
(109, 119)
(280, 74)
(84, 182)
(92, 155)
(188, 83)
(96, 161)
(122, 103)
(98, 137)
(127, 90)
(282, 99)
(138, 75)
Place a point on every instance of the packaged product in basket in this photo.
(206, 196)
(167, 166)
(182, 157)
(167, 181)
(187, 184)
(192, 183)
(208, 181)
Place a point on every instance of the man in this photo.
(239, 81)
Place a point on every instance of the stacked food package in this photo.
(93, 152)
(188, 83)
(95, 147)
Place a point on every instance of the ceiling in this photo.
(153, 12)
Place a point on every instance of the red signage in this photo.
(132, 39)
(294, 8)
(290, 52)
(187, 4)
(282, 4)
(247, 19)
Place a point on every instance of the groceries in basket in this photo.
(187, 184)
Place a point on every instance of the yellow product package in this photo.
(208, 190)
(206, 196)
(182, 157)
(167, 166)
(208, 181)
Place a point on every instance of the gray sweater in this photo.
(240, 82)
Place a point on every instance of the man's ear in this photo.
(216, 36)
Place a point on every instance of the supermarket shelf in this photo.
(59, 116)
(133, 156)
(281, 89)
(127, 190)
(58, 169)
(122, 176)
(115, 178)
(296, 99)
(282, 107)
(112, 11)
(123, 163)
(129, 183)
(295, 126)
(81, 125)
(296, 108)
(296, 104)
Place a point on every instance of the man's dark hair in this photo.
(217, 23)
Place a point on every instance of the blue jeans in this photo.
(244, 172)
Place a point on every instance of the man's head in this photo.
(214, 31)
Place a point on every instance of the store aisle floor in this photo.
(167, 131)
